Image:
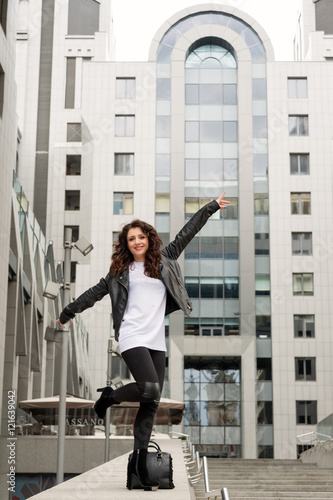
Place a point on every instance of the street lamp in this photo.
(51, 292)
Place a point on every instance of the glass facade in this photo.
(212, 266)
(212, 395)
(212, 284)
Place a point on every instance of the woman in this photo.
(144, 284)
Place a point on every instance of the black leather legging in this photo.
(146, 365)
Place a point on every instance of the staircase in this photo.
(267, 479)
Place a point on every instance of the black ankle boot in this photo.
(137, 472)
(106, 400)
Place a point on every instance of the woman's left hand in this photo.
(222, 203)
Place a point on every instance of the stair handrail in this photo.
(213, 493)
(316, 439)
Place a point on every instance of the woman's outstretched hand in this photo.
(222, 203)
(61, 326)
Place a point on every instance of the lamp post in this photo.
(108, 411)
(64, 360)
(116, 382)
(51, 292)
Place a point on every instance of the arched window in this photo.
(210, 56)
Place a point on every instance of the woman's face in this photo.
(137, 242)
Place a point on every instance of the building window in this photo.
(263, 326)
(210, 169)
(264, 412)
(230, 132)
(259, 90)
(72, 200)
(211, 247)
(75, 232)
(301, 243)
(162, 204)
(212, 288)
(298, 125)
(212, 396)
(261, 206)
(124, 164)
(123, 203)
(260, 165)
(70, 83)
(261, 243)
(3, 15)
(264, 369)
(125, 88)
(303, 283)
(192, 249)
(73, 164)
(125, 125)
(2, 88)
(74, 132)
(265, 451)
(304, 326)
(210, 131)
(305, 368)
(231, 290)
(230, 169)
(300, 203)
(210, 94)
(262, 284)
(299, 164)
(230, 247)
(211, 326)
(259, 127)
(163, 89)
(229, 93)
(162, 165)
(83, 17)
(193, 204)
(297, 88)
(163, 126)
(231, 212)
(306, 412)
(191, 94)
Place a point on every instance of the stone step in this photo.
(279, 497)
(267, 480)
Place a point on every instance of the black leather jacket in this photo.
(170, 274)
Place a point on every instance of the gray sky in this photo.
(136, 22)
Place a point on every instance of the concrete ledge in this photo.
(108, 481)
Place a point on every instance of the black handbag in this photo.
(159, 465)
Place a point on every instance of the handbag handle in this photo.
(152, 444)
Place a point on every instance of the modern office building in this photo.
(211, 110)
(30, 365)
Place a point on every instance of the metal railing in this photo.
(313, 438)
(213, 493)
(197, 467)
(318, 436)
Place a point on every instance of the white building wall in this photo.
(319, 107)
(98, 111)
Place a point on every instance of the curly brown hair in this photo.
(122, 257)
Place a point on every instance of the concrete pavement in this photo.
(108, 481)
